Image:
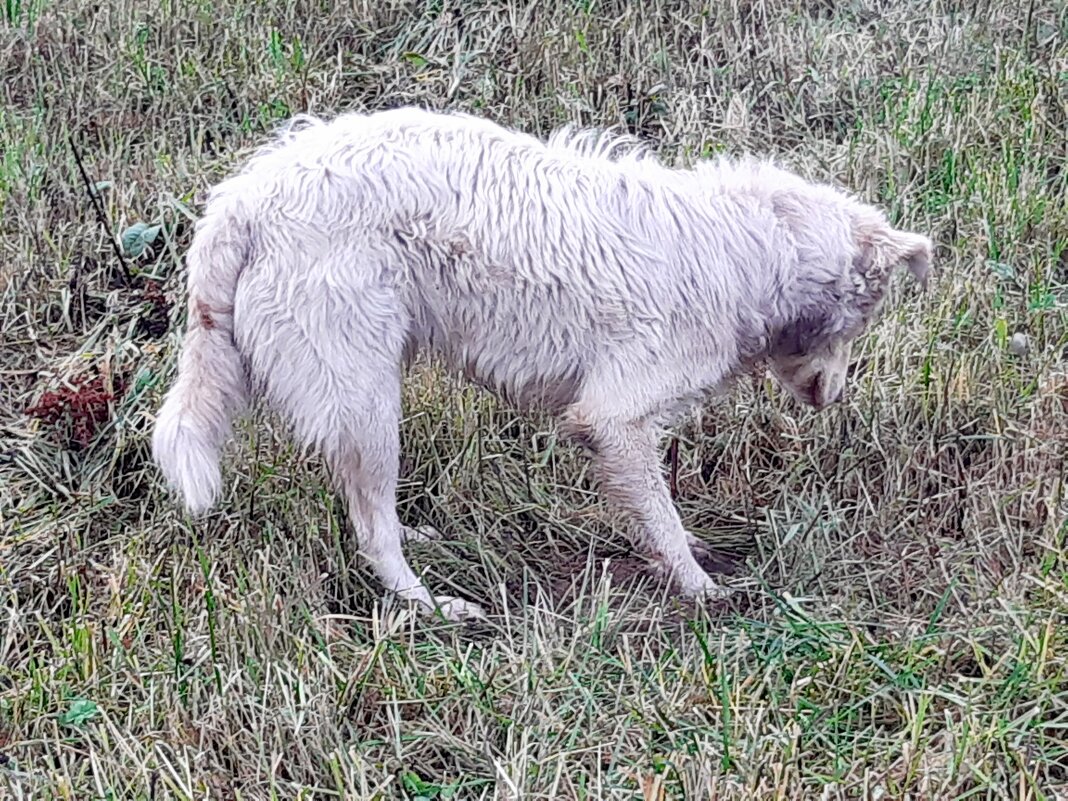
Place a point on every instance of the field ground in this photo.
(899, 629)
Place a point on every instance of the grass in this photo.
(899, 630)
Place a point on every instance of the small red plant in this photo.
(76, 412)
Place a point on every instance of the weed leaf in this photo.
(81, 711)
(138, 237)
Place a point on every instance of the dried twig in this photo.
(101, 215)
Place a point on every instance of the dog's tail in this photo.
(211, 386)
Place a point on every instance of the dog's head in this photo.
(846, 254)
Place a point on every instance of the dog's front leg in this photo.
(628, 472)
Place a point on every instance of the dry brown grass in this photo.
(900, 627)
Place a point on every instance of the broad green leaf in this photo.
(138, 237)
(81, 711)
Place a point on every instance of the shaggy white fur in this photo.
(578, 275)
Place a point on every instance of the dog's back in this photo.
(538, 270)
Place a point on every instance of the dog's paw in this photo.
(703, 586)
(458, 610)
(419, 534)
(712, 591)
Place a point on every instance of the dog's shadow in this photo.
(562, 569)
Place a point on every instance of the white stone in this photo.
(1020, 344)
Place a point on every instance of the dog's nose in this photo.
(823, 398)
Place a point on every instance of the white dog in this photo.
(596, 284)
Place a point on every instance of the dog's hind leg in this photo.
(626, 460)
(331, 364)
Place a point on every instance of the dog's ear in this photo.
(916, 251)
(880, 249)
(821, 311)
(823, 305)
(800, 336)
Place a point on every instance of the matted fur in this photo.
(577, 275)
